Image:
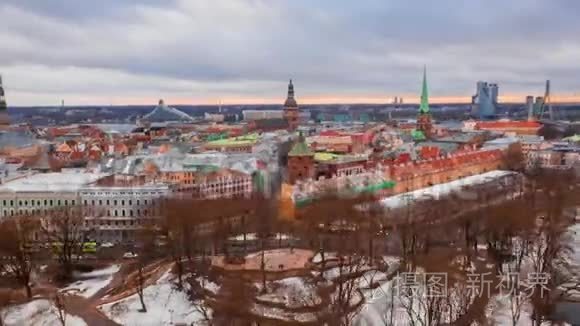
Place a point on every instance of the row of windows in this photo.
(128, 213)
(350, 171)
(139, 193)
(212, 186)
(116, 202)
(133, 222)
(38, 202)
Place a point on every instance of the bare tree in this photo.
(16, 249)
(59, 304)
(146, 252)
(64, 229)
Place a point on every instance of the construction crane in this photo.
(544, 105)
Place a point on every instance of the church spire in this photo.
(4, 119)
(424, 107)
(2, 99)
(290, 100)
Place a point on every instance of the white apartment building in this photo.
(250, 115)
(38, 193)
(114, 213)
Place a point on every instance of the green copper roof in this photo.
(248, 139)
(305, 201)
(376, 187)
(418, 135)
(424, 107)
(324, 156)
(300, 148)
(575, 138)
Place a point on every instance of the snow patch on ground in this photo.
(166, 305)
(208, 285)
(292, 292)
(327, 255)
(39, 312)
(90, 283)
(499, 310)
(281, 314)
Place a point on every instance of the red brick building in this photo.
(300, 162)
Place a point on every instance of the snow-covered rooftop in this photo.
(52, 182)
(443, 189)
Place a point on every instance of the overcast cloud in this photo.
(198, 51)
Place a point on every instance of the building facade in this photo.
(251, 115)
(301, 164)
(42, 192)
(114, 213)
(485, 100)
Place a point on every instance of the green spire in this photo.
(424, 107)
(300, 148)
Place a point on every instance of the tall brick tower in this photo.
(300, 161)
(424, 123)
(4, 119)
(291, 108)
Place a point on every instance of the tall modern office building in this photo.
(530, 107)
(4, 119)
(484, 102)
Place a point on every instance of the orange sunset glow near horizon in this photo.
(321, 100)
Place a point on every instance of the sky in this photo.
(244, 51)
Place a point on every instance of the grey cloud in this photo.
(339, 47)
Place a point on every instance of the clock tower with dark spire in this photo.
(291, 113)
(4, 119)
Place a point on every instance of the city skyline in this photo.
(243, 52)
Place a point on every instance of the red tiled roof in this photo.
(507, 124)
